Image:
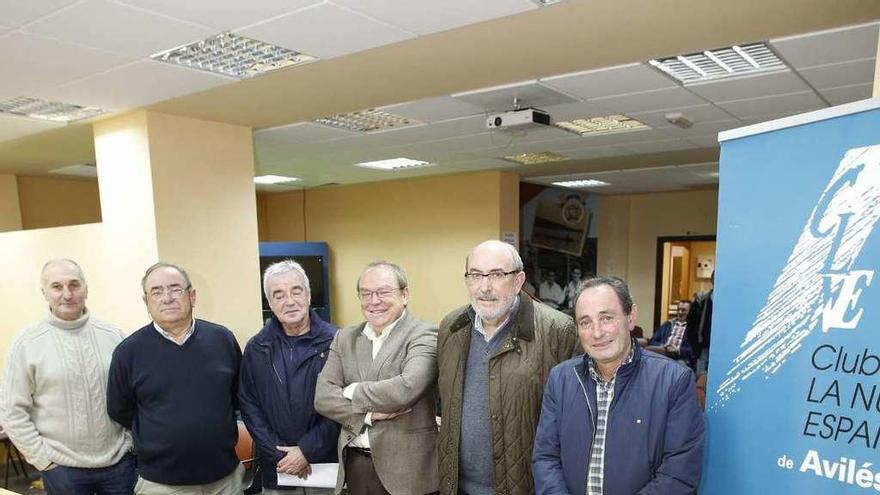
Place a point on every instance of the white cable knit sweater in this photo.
(53, 396)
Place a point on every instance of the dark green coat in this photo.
(539, 339)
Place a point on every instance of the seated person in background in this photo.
(670, 338)
(550, 292)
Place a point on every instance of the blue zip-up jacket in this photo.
(654, 440)
(274, 416)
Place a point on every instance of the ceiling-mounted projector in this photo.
(518, 119)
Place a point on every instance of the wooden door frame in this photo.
(658, 276)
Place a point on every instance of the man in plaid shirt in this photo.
(618, 420)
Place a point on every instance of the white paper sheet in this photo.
(323, 476)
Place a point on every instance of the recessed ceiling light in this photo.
(275, 179)
(545, 3)
(581, 183)
(710, 65)
(394, 164)
(366, 121)
(47, 110)
(79, 170)
(535, 158)
(232, 55)
(601, 125)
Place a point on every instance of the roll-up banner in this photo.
(793, 401)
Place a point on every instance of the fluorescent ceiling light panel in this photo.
(710, 65)
(536, 158)
(366, 121)
(47, 110)
(79, 170)
(275, 179)
(601, 125)
(232, 55)
(394, 164)
(581, 183)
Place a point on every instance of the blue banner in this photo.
(793, 400)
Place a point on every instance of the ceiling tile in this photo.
(13, 126)
(429, 16)
(842, 74)
(828, 47)
(434, 109)
(224, 15)
(481, 164)
(431, 132)
(326, 31)
(575, 110)
(710, 141)
(696, 114)
(703, 128)
(778, 105)
(658, 146)
(623, 79)
(754, 86)
(117, 28)
(134, 85)
(300, 133)
(847, 94)
(31, 63)
(650, 101)
(19, 12)
(527, 94)
(594, 152)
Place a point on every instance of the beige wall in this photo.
(628, 229)
(426, 225)
(24, 253)
(10, 209)
(172, 188)
(286, 221)
(48, 202)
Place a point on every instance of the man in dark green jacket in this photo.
(494, 356)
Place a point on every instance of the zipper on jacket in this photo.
(587, 398)
(272, 362)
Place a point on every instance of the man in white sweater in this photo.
(53, 395)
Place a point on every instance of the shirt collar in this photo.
(186, 336)
(594, 373)
(478, 322)
(371, 334)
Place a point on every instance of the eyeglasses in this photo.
(496, 276)
(159, 293)
(605, 321)
(383, 294)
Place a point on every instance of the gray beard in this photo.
(503, 310)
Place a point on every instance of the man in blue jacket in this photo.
(670, 339)
(277, 386)
(618, 420)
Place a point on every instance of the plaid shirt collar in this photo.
(594, 374)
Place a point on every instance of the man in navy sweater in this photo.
(278, 375)
(173, 383)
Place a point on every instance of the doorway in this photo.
(684, 269)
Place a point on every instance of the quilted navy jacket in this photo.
(654, 442)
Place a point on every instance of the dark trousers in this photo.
(118, 479)
(360, 474)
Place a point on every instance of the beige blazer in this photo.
(403, 375)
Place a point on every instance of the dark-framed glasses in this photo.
(493, 276)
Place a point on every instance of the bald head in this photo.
(498, 251)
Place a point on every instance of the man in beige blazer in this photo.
(379, 383)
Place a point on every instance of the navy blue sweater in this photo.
(179, 402)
